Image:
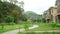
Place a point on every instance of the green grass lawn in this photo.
(39, 33)
(42, 26)
(12, 27)
(45, 26)
(9, 27)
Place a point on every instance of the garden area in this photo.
(41, 27)
(44, 28)
(12, 26)
(47, 26)
(14, 20)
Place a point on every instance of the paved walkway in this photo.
(21, 30)
(12, 32)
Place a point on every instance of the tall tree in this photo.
(21, 4)
(13, 1)
(4, 0)
(8, 9)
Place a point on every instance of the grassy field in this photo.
(42, 26)
(12, 27)
(45, 26)
(39, 33)
(9, 27)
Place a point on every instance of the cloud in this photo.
(38, 6)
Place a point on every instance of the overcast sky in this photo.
(38, 6)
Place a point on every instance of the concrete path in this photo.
(12, 32)
(21, 30)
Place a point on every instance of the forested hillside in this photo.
(9, 12)
(29, 15)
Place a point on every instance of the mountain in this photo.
(32, 16)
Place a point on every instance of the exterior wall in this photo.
(58, 6)
(53, 13)
(58, 9)
(48, 17)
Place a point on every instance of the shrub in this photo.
(53, 24)
(26, 26)
(9, 19)
(43, 20)
(57, 25)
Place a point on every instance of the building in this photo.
(58, 10)
(48, 17)
(51, 14)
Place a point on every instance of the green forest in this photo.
(10, 12)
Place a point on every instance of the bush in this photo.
(9, 19)
(57, 25)
(53, 24)
(43, 20)
(26, 26)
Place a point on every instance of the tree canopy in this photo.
(9, 9)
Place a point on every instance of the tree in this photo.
(9, 9)
(26, 27)
(16, 15)
(9, 19)
(31, 16)
(13, 1)
(21, 4)
(4, 0)
(43, 20)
